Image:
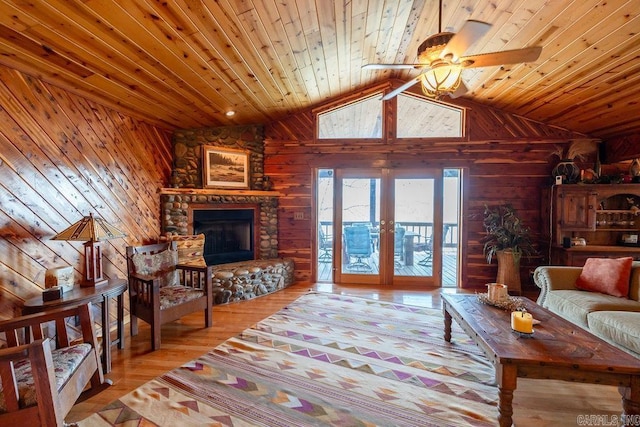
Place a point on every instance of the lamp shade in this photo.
(92, 231)
(89, 228)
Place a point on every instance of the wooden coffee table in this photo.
(558, 349)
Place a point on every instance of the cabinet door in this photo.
(577, 210)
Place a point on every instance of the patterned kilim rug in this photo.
(324, 360)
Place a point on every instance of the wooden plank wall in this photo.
(62, 157)
(505, 159)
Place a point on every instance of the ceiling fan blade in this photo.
(462, 89)
(402, 88)
(391, 66)
(516, 56)
(470, 32)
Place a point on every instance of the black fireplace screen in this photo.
(228, 234)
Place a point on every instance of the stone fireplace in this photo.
(188, 195)
(182, 210)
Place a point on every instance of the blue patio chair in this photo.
(358, 245)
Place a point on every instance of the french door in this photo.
(387, 223)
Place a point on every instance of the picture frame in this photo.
(224, 167)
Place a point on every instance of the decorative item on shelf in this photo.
(567, 168)
(634, 168)
(93, 231)
(578, 241)
(522, 321)
(52, 293)
(267, 184)
(61, 277)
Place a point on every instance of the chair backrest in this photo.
(152, 259)
(398, 241)
(358, 240)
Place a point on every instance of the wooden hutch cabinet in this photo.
(606, 216)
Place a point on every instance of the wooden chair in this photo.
(41, 384)
(161, 291)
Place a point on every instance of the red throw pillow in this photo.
(606, 275)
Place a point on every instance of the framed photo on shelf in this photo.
(224, 167)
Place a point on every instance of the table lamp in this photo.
(92, 231)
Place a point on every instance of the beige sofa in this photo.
(614, 319)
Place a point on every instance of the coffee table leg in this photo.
(507, 379)
(447, 325)
(631, 400)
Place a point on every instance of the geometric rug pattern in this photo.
(325, 359)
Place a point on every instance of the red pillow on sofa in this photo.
(606, 275)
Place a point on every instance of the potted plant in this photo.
(508, 240)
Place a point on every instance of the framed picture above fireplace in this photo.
(223, 167)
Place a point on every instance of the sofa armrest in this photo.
(554, 277)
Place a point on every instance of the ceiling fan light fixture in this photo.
(441, 80)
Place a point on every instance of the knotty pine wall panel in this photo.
(63, 157)
(506, 159)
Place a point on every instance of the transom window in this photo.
(417, 117)
(359, 119)
(423, 118)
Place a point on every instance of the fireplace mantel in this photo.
(217, 192)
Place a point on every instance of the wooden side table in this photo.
(114, 288)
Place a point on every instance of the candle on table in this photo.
(521, 321)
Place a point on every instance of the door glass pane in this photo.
(451, 213)
(360, 216)
(414, 208)
(325, 225)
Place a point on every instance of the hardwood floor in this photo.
(537, 403)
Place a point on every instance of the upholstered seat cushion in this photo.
(619, 327)
(175, 295)
(65, 362)
(576, 305)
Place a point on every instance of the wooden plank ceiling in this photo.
(184, 63)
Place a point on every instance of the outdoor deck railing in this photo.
(423, 229)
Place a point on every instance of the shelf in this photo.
(615, 211)
(618, 229)
(214, 191)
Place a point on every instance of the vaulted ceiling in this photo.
(185, 63)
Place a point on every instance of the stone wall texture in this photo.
(187, 152)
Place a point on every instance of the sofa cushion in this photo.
(575, 305)
(621, 328)
(606, 275)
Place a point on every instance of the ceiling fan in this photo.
(441, 61)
